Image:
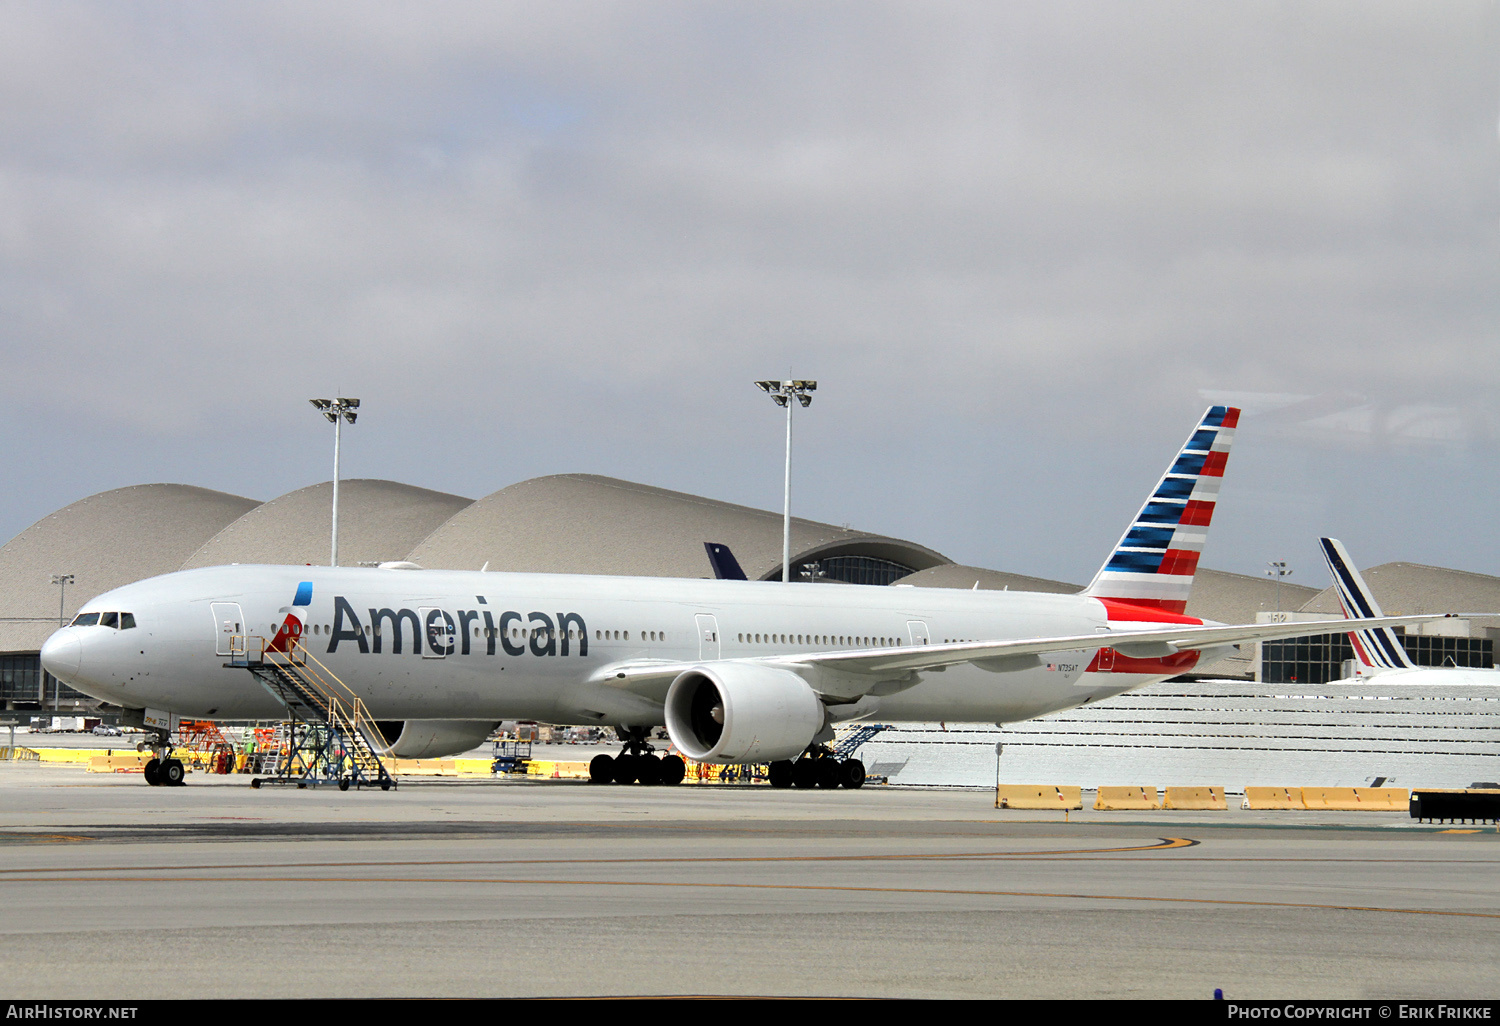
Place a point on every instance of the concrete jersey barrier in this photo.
(1038, 796)
(1209, 798)
(1109, 798)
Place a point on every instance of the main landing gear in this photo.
(161, 768)
(818, 768)
(637, 763)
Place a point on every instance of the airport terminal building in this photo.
(1268, 700)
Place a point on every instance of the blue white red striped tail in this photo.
(1153, 564)
(1374, 650)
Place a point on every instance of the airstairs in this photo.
(328, 729)
(846, 745)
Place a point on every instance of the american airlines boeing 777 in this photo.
(737, 671)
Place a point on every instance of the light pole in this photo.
(1278, 569)
(336, 410)
(62, 581)
(783, 392)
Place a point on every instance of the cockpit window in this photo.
(118, 621)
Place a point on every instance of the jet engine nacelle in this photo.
(431, 739)
(734, 712)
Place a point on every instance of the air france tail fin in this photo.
(1154, 562)
(1374, 650)
(726, 567)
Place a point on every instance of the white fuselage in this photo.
(540, 646)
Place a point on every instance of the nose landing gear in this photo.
(161, 768)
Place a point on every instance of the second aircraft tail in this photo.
(1373, 650)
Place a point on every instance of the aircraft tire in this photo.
(602, 769)
(852, 774)
(625, 769)
(153, 772)
(780, 773)
(673, 769)
(648, 769)
(173, 773)
(804, 773)
(827, 770)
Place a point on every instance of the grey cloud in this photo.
(976, 223)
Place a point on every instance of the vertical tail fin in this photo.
(1374, 650)
(726, 567)
(1154, 562)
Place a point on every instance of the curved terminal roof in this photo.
(1237, 598)
(105, 541)
(1411, 588)
(955, 575)
(379, 521)
(588, 524)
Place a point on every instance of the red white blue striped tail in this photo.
(1374, 650)
(1154, 563)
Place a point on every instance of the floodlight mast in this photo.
(782, 393)
(335, 411)
(1277, 569)
(62, 581)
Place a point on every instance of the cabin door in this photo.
(708, 636)
(229, 628)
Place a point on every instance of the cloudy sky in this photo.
(1020, 247)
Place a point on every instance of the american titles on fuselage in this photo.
(511, 632)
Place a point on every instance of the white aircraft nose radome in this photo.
(62, 656)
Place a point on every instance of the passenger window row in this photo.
(839, 640)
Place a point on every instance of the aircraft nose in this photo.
(62, 656)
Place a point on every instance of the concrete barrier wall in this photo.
(135, 762)
(1211, 798)
(1110, 799)
(1038, 796)
(557, 770)
(1273, 798)
(1357, 799)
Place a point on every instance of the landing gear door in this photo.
(229, 628)
(918, 631)
(708, 636)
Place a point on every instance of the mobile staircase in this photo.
(845, 747)
(328, 728)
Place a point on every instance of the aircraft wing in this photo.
(847, 675)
